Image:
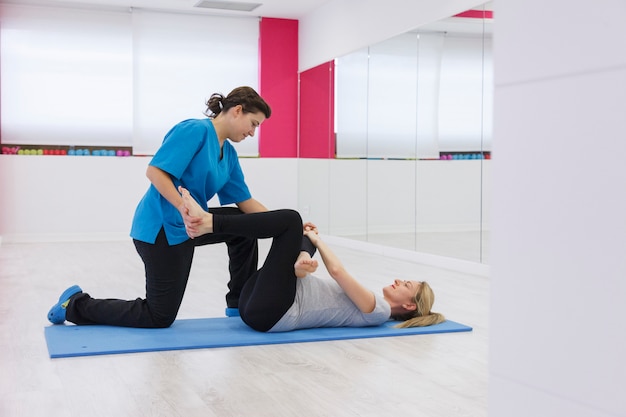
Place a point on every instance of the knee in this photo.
(292, 216)
(253, 321)
(162, 322)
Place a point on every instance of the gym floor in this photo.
(427, 375)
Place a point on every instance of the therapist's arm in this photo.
(251, 206)
(164, 185)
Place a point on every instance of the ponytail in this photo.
(249, 100)
(421, 316)
(422, 321)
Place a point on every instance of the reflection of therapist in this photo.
(196, 155)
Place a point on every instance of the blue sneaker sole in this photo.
(232, 312)
(56, 315)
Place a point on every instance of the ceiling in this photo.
(284, 9)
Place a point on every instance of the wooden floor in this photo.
(428, 375)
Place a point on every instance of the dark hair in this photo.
(250, 101)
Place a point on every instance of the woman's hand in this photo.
(309, 227)
(313, 236)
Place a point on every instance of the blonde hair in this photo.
(421, 316)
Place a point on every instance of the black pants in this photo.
(271, 290)
(167, 272)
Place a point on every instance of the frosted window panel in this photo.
(428, 80)
(488, 96)
(461, 94)
(66, 76)
(351, 73)
(392, 98)
(180, 60)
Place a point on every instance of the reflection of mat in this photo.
(70, 340)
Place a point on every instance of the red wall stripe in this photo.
(317, 109)
(278, 85)
(476, 14)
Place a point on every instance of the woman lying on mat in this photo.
(283, 296)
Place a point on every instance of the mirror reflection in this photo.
(413, 141)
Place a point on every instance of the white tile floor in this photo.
(427, 375)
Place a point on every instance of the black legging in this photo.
(271, 290)
(167, 272)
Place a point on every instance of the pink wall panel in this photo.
(278, 85)
(317, 131)
(476, 14)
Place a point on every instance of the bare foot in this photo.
(197, 220)
(305, 265)
(192, 205)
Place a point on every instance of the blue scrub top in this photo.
(190, 153)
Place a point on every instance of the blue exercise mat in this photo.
(69, 340)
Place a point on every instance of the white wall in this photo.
(343, 26)
(557, 329)
(56, 198)
(349, 197)
(50, 198)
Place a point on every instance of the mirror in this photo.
(413, 142)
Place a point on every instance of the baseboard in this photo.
(458, 265)
(454, 264)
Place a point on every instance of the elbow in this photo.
(368, 309)
(336, 271)
(155, 174)
(150, 173)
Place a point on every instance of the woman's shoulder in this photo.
(200, 129)
(205, 123)
(191, 126)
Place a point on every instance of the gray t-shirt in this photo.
(322, 303)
